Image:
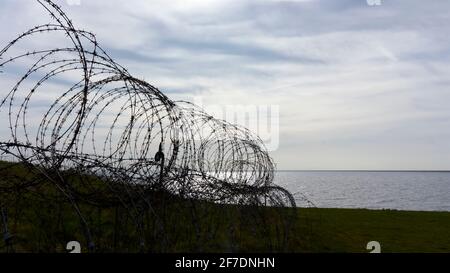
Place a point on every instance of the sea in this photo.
(397, 190)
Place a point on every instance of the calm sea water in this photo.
(373, 190)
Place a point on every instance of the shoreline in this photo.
(377, 209)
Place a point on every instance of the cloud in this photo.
(358, 86)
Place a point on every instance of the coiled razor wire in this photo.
(75, 110)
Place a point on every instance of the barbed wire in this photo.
(100, 135)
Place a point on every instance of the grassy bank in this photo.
(41, 221)
(349, 230)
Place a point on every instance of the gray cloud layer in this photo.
(359, 87)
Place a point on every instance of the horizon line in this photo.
(350, 170)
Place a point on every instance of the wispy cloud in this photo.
(358, 86)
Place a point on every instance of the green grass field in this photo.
(41, 222)
(349, 230)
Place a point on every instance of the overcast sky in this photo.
(358, 86)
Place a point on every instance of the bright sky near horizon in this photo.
(357, 86)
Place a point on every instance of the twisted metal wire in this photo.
(100, 135)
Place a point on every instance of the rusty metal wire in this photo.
(74, 110)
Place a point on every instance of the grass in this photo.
(349, 230)
(42, 221)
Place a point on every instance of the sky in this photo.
(354, 86)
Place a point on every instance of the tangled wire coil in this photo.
(75, 109)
